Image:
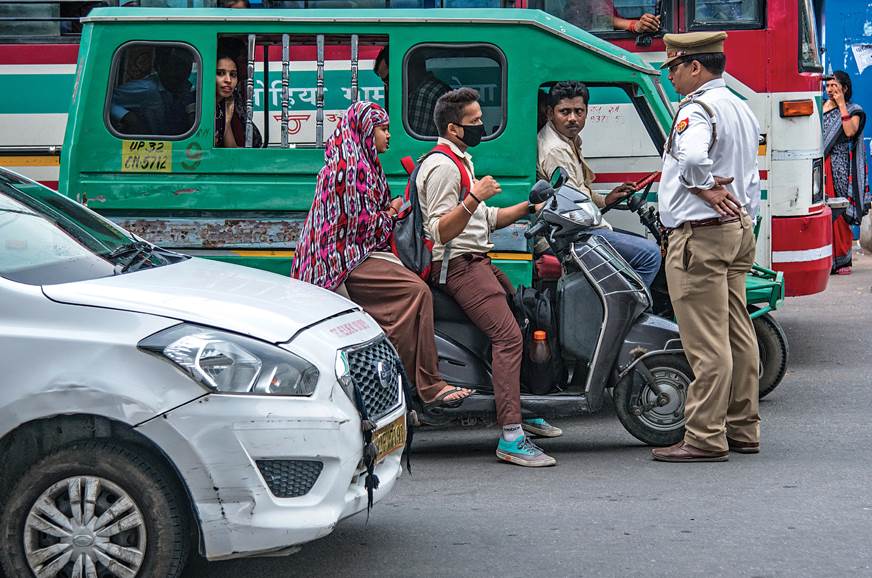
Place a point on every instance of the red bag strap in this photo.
(465, 185)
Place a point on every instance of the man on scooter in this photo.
(560, 146)
(460, 225)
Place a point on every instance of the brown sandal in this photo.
(440, 401)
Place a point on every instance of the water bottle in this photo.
(540, 351)
(539, 375)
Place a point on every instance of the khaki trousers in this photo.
(705, 269)
(482, 292)
(401, 303)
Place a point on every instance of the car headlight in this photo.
(230, 363)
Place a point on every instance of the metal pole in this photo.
(354, 68)
(249, 94)
(266, 93)
(319, 98)
(285, 83)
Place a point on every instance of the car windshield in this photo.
(45, 238)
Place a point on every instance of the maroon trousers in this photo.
(401, 303)
(481, 290)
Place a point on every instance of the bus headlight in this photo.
(817, 181)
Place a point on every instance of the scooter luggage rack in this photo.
(611, 264)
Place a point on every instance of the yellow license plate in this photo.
(390, 437)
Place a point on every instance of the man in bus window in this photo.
(559, 145)
(380, 67)
(424, 90)
(598, 15)
(161, 104)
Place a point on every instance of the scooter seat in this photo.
(445, 308)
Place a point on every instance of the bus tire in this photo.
(772, 342)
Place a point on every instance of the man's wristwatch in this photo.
(531, 208)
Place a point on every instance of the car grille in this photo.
(290, 478)
(378, 397)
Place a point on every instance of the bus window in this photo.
(153, 93)
(726, 14)
(809, 55)
(432, 70)
(29, 19)
(595, 15)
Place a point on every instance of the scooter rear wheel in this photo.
(656, 424)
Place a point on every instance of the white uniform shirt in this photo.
(692, 164)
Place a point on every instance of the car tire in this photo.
(136, 512)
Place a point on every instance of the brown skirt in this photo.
(401, 303)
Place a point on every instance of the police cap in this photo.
(680, 45)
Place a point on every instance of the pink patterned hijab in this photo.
(348, 219)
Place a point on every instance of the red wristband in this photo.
(846, 117)
(632, 26)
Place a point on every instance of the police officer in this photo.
(709, 191)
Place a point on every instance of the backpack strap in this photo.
(465, 185)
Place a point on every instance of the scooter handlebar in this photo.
(534, 229)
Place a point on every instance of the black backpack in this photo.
(533, 311)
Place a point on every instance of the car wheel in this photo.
(95, 509)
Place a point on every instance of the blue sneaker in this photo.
(523, 452)
(539, 427)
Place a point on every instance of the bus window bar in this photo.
(285, 87)
(319, 98)
(249, 94)
(354, 41)
(266, 121)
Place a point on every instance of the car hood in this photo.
(264, 305)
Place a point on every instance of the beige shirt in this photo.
(555, 150)
(438, 185)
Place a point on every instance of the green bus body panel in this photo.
(279, 183)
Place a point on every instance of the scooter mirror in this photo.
(558, 178)
(540, 192)
(636, 201)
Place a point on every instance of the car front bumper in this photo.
(216, 441)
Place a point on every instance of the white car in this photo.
(153, 402)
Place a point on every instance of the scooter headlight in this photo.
(586, 215)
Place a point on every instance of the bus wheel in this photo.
(773, 352)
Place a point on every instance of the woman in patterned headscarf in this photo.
(344, 246)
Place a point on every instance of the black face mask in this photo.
(472, 134)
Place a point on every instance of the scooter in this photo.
(771, 339)
(609, 339)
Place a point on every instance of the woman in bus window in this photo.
(345, 243)
(844, 163)
(230, 107)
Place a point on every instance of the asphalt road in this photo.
(802, 507)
